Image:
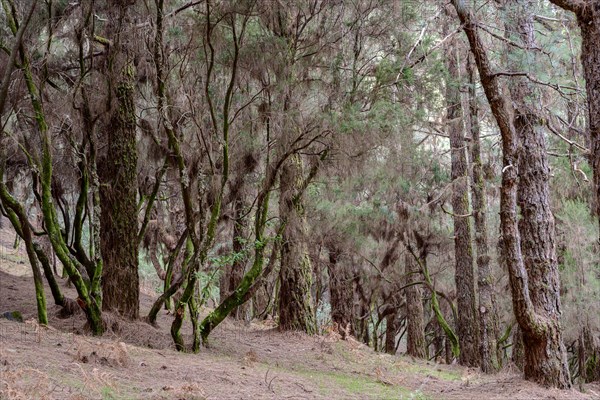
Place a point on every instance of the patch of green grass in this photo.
(354, 384)
(108, 393)
(427, 370)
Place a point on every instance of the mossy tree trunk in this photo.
(88, 303)
(118, 175)
(295, 299)
(16, 214)
(233, 275)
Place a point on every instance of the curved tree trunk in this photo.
(538, 316)
(118, 176)
(545, 358)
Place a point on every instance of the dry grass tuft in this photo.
(110, 354)
(24, 384)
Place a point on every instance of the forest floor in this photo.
(243, 361)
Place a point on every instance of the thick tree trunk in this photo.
(341, 291)
(537, 315)
(118, 175)
(295, 300)
(545, 358)
(488, 317)
(415, 329)
(468, 327)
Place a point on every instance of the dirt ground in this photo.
(243, 361)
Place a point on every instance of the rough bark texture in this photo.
(518, 351)
(545, 358)
(234, 276)
(468, 329)
(415, 329)
(542, 326)
(391, 328)
(341, 291)
(295, 300)
(488, 311)
(118, 175)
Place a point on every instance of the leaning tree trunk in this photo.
(468, 328)
(118, 175)
(537, 316)
(295, 300)
(488, 317)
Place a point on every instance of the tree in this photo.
(588, 17)
(488, 317)
(118, 171)
(468, 326)
(537, 316)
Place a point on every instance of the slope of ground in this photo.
(137, 361)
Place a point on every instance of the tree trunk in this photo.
(341, 292)
(415, 330)
(589, 355)
(118, 175)
(240, 232)
(468, 329)
(518, 351)
(537, 316)
(545, 358)
(295, 300)
(590, 58)
(488, 311)
(391, 329)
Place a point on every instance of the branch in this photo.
(554, 86)
(576, 6)
(13, 57)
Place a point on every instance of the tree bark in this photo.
(295, 299)
(488, 310)
(415, 329)
(468, 329)
(341, 292)
(240, 232)
(546, 358)
(391, 329)
(118, 176)
(537, 316)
